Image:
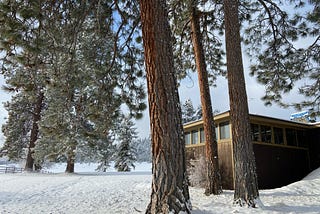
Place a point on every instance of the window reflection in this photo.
(224, 130)
(265, 134)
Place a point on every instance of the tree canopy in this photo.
(283, 43)
(84, 57)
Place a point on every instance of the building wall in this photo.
(279, 161)
(194, 150)
(225, 161)
(314, 145)
(279, 166)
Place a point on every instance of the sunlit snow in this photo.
(89, 192)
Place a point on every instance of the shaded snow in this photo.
(113, 192)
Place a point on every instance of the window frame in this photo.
(252, 132)
(274, 135)
(264, 133)
(187, 135)
(228, 133)
(194, 133)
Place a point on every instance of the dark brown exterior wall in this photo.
(279, 166)
(314, 147)
(276, 166)
(225, 161)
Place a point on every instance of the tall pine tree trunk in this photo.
(246, 186)
(213, 180)
(170, 191)
(71, 156)
(34, 133)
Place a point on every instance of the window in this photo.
(278, 135)
(194, 137)
(202, 136)
(255, 132)
(265, 134)
(291, 137)
(224, 130)
(302, 138)
(187, 138)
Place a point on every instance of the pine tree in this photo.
(105, 152)
(170, 192)
(100, 150)
(213, 178)
(126, 156)
(197, 21)
(22, 59)
(143, 149)
(101, 72)
(17, 128)
(211, 26)
(83, 65)
(285, 49)
(63, 91)
(188, 112)
(246, 186)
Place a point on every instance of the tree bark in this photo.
(170, 191)
(71, 156)
(246, 186)
(34, 134)
(213, 180)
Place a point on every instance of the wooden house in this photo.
(285, 151)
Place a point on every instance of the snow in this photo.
(112, 192)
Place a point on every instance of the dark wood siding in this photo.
(314, 147)
(279, 166)
(276, 166)
(281, 161)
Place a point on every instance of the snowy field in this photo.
(113, 192)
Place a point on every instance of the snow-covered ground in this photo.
(113, 192)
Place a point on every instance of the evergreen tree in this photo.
(170, 192)
(81, 61)
(17, 128)
(23, 62)
(283, 41)
(64, 91)
(246, 186)
(211, 27)
(126, 156)
(100, 150)
(189, 113)
(105, 152)
(142, 147)
(197, 21)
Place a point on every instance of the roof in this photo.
(226, 114)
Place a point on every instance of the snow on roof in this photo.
(226, 113)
